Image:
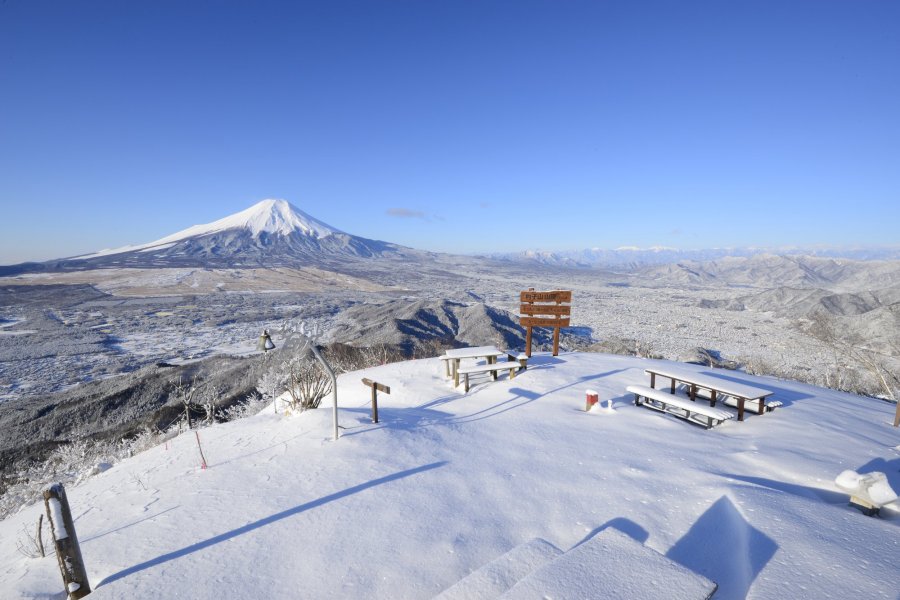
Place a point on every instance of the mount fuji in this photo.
(271, 233)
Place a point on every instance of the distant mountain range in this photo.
(629, 258)
(274, 233)
(271, 233)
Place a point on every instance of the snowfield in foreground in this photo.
(447, 482)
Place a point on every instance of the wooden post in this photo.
(199, 447)
(528, 333)
(897, 415)
(556, 332)
(40, 535)
(68, 553)
(376, 387)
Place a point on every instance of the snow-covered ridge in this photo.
(276, 217)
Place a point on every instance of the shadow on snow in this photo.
(222, 537)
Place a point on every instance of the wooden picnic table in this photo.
(452, 358)
(715, 385)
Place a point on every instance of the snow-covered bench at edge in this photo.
(670, 403)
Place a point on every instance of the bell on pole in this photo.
(265, 342)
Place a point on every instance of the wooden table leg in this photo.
(693, 393)
(652, 379)
(455, 372)
(712, 397)
(762, 406)
(672, 387)
(740, 409)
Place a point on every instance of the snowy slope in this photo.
(448, 482)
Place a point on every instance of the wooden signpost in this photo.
(539, 312)
(376, 387)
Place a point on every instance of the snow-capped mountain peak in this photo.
(268, 216)
(272, 217)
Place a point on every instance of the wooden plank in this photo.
(545, 309)
(374, 384)
(553, 296)
(539, 322)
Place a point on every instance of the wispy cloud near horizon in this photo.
(405, 213)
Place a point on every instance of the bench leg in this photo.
(512, 373)
(447, 368)
(637, 400)
(712, 397)
(466, 378)
(455, 374)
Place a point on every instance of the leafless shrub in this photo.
(31, 543)
(249, 407)
(308, 384)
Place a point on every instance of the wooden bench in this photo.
(769, 405)
(492, 368)
(717, 387)
(522, 359)
(674, 405)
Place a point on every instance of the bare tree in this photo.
(187, 394)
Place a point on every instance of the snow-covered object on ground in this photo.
(612, 565)
(872, 487)
(446, 483)
(497, 576)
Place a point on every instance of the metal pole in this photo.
(334, 404)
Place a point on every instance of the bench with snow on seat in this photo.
(742, 393)
(679, 406)
(492, 368)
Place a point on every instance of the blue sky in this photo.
(462, 126)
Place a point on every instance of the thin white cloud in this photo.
(405, 213)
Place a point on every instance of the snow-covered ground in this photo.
(447, 482)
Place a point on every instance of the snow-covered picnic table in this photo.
(716, 386)
(452, 358)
